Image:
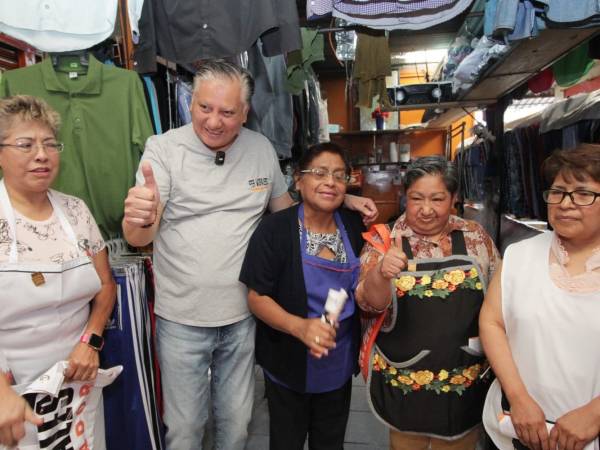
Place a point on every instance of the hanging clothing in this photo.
(538, 316)
(130, 406)
(151, 99)
(59, 26)
(562, 14)
(512, 19)
(134, 14)
(105, 124)
(472, 163)
(395, 15)
(271, 112)
(425, 374)
(571, 110)
(144, 53)
(183, 94)
(189, 30)
(542, 81)
(317, 9)
(299, 62)
(573, 66)
(371, 66)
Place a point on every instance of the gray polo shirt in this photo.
(210, 213)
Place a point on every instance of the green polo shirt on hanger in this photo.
(105, 124)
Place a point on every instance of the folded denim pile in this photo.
(485, 51)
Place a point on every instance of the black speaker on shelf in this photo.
(420, 94)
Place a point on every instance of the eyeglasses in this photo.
(27, 147)
(321, 174)
(579, 198)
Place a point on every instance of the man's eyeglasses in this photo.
(27, 147)
(579, 198)
(321, 174)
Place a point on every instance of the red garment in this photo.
(542, 81)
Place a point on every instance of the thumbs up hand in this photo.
(394, 261)
(141, 204)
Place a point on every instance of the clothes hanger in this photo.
(82, 54)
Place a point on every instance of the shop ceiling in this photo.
(522, 62)
(400, 41)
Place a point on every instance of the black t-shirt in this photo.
(273, 267)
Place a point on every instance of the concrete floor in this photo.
(363, 432)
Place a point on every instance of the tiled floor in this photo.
(364, 432)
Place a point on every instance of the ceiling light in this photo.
(420, 56)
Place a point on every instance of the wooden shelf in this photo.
(381, 132)
(522, 62)
(525, 60)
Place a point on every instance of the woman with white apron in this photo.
(56, 287)
(540, 324)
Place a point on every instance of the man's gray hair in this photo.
(219, 69)
(433, 165)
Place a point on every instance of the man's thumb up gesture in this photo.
(141, 204)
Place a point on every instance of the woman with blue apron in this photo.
(293, 260)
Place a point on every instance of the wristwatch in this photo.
(93, 340)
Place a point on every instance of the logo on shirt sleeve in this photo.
(259, 184)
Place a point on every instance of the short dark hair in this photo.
(219, 69)
(432, 165)
(579, 163)
(314, 151)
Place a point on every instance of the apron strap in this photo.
(406, 248)
(459, 247)
(62, 218)
(8, 210)
(10, 218)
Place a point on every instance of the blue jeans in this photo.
(185, 354)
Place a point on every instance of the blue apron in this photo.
(333, 371)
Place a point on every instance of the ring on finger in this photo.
(317, 340)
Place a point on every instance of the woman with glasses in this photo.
(294, 258)
(56, 287)
(540, 322)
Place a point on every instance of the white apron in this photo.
(553, 336)
(40, 325)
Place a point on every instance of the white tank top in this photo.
(554, 337)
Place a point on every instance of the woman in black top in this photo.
(294, 257)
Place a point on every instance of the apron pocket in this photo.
(443, 402)
(403, 364)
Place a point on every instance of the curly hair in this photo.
(26, 108)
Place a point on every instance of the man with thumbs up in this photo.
(201, 191)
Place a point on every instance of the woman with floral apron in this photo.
(423, 362)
